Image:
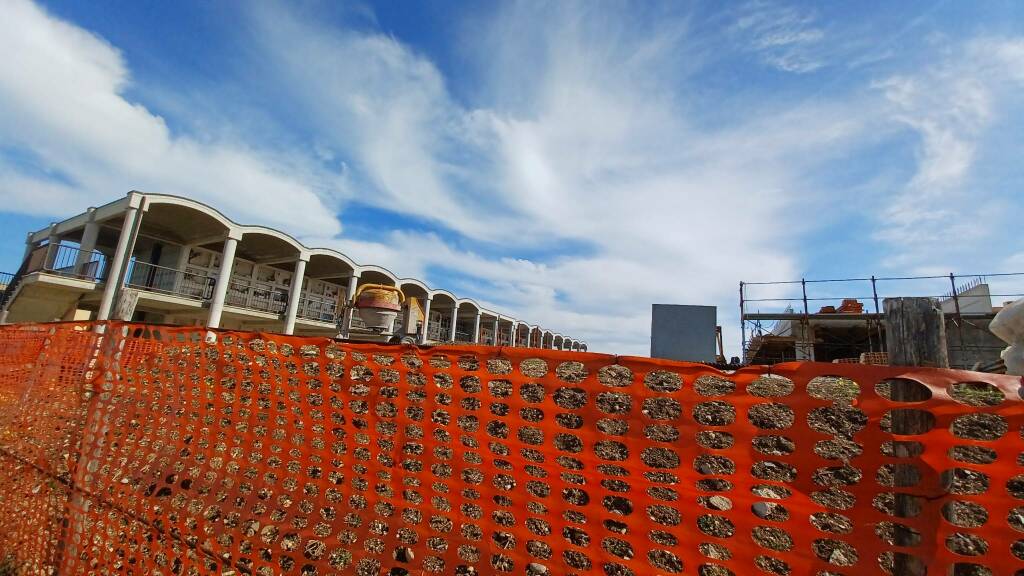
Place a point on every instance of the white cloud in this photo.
(578, 142)
(950, 106)
(62, 107)
(595, 149)
(786, 37)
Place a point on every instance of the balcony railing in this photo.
(5, 280)
(68, 261)
(146, 276)
(318, 310)
(245, 293)
(437, 332)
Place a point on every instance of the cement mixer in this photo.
(378, 305)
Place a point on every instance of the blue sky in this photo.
(567, 162)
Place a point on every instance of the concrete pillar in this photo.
(220, 290)
(513, 334)
(455, 321)
(180, 265)
(475, 338)
(407, 321)
(350, 293)
(87, 245)
(426, 320)
(804, 345)
(117, 265)
(52, 246)
(295, 294)
(496, 330)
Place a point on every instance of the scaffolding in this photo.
(840, 319)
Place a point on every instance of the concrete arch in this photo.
(467, 303)
(329, 253)
(268, 243)
(370, 274)
(444, 297)
(152, 200)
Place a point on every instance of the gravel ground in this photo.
(834, 498)
(772, 538)
(713, 386)
(834, 388)
(533, 367)
(964, 481)
(838, 449)
(886, 532)
(842, 421)
(713, 439)
(615, 376)
(571, 372)
(771, 416)
(966, 544)
(714, 551)
(713, 525)
(770, 386)
(973, 454)
(835, 552)
(773, 445)
(979, 426)
(979, 394)
(832, 522)
(772, 565)
(714, 413)
(965, 514)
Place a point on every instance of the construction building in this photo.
(166, 259)
(854, 329)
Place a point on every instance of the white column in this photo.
(295, 294)
(51, 248)
(496, 339)
(220, 290)
(455, 321)
(350, 293)
(512, 333)
(117, 265)
(475, 339)
(88, 243)
(407, 322)
(426, 320)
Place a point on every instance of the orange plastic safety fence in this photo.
(158, 450)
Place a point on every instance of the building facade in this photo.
(171, 260)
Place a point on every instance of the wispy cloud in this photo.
(949, 105)
(597, 149)
(78, 139)
(786, 37)
(578, 144)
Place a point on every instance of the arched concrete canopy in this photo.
(413, 288)
(376, 275)
(261, 244)
(183, 221)
(327, 265)
(443, 299)
(469, 306)
(558, 341)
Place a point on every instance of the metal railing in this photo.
(437, 331)
(784, 309)
(5, 280)
(146, 276)
(318, 310)
(245, 293)
(68, 261)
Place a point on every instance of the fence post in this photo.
(915, 332)
(916, 336)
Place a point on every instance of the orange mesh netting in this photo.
(148, 450)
